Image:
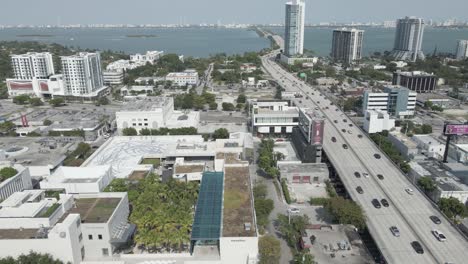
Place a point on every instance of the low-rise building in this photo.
(19, 182)
(376, 121)
(396, 100)
(187, 77)
(42, 88)
(407, 148)
(440, 100)
(273, 117)
(307, 137)
(154, 113)
(417, 81)
(248, 67)
(113, 77)
(430, 146)
(305, 173)
(150, 57)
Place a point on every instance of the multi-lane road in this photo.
(409, 212)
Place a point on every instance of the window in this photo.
(90, 237)
(99, 237)
(105, 252)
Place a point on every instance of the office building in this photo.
(408, 39)
(308, 136)
(187, 77)
(82, 73)
(294, 28)
(32, 65)
(113, 77)
(154, 113)
(376, 121)
(418, 81)
(396, 100)
(273, 117)
(347, 45)
(462, 49)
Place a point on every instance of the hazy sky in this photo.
(227, 11)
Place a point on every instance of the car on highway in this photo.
(380, 176)
(359, 136)
(376, 203)
(336, 121)
(359, 190)
(377, 156)
(344, 120)
(384, 202)
(435, 219)
(294, 210)
(395, 231)
(345, 146)
(333, 139)
(365, 174)
(350, 132)
(409, 191)
(417, 247)
(337, 109)
(343, 130)
(439, 235)
(357, 174)
(350, 125)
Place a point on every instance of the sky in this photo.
(52, 12)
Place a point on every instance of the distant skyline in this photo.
(54, 12)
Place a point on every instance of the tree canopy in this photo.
(427, 184)
(31, 258)
(7, 172)
(346, 212)
(221, 133)
(269, 249)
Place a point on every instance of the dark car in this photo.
(359, 136)
(345, 146)
(333, 139)
(377, 156)
(359, 190)
(376, 203)
(435, 219)
(344, 120)
(385, 202)
(380, 176)
(357, 174)
(417, 247)
(336, 121)
(350, 125)
(343, 130)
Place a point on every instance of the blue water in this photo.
(381, 39)
(197, 42)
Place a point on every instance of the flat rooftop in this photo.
(18, 233)
(404, 139)
(94, 210)
(304, 167)
(415, 73)
(237, 210)
(146, 104)
(188, 168)
(35, 151)
(445, 180)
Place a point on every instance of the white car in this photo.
(409, 191)
(294, 210)
(439, 235)
(365, 174)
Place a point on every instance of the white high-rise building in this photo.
(32, 65)
(347, 45)
(294, 28)
(462, 49)
(82, 73)
(408, 39)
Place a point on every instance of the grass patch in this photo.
(233, 199)
(154, 162)
(49, 211)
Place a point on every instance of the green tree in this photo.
(117, 185)
(56, 102)
(346, 212)
(451, 207)
(47, 122)
(228, 107)
(6, 127)
(129, 131)
(426, 129)
(427, 184)
(145, 132)
(269, 249)
(21, 99)
(103, 100)
(32, 257)
(303, 257)
(213, 106)
(7, 172)
(36, 101)
(241, 99)
(221, 133)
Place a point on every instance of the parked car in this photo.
(359, 190)
(336, 121)
(409, 191)
(376, 203)
(294, 210)
(380, 176)
(395, 231)
(359, 136)
(417, 247)
(333, 139)
(345, 146)
(344, 120)
(377, 156)
(385, 202)
(435, 219)
(357, 174)
(439, 235)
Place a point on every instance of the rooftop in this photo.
(187, 73)
(238, 218)
(94, 210)
(304, 167)
(403, 139)
(147, 104)
(78, 174)
(415, 73)
(18, 233)
(188, 168)
(445, 180)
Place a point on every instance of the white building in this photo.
(187, 77)
(347, 45)
(70, 228)
(408, 39)
(407, 147)
(32, 65)
(376, 121)
(154, 113)
(248, 67)
(273, 117)
(122, 65)
(82, 73)
(21, 181)
(78, 179)
(396, 100)
(462, 49)
(42, 88)
(430, 146)
(113, 77)
(294, 28)
(150, 57)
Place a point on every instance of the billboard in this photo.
(456, 129)
(316, 135)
